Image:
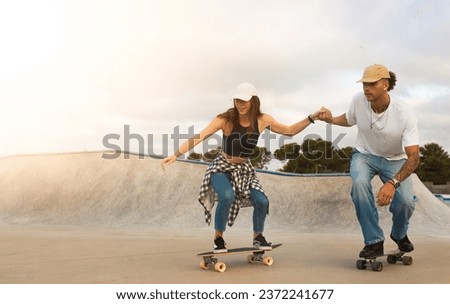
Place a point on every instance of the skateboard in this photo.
(392, 258)
(210, 259)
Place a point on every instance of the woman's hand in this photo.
(167, 161)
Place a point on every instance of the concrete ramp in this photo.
(84, 189)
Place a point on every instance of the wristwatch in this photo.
(395, 182)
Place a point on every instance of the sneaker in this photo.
(219, 245)
(404, 244)
(373, 250)
(260, 243)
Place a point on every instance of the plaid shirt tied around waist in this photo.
(243, 178)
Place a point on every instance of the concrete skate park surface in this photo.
(79, 218)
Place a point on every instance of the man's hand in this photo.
(385, 194)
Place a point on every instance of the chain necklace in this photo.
(373, 122)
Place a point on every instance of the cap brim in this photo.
(243, 97)
(369, 79)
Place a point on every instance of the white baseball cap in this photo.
(245, 91)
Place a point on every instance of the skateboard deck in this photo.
(392, 258)
(210, 259)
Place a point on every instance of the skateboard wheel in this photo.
(361, 264)
(203, 265)
(268, 261)
(220, 267)
(251, 258)
(377, 266)
(407, 260)
(392, 259)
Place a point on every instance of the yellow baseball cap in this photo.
(374, 72)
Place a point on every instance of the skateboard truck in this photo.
(209, 261)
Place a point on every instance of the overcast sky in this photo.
(73, 72)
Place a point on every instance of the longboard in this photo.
(392, 258)
(210, 259)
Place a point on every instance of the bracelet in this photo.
(310, 119)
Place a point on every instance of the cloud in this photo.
(433, 123)
(154, 65)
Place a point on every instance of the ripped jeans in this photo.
(363, 168)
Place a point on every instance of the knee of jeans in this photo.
(360, 186)
(401, 204)
(360, 181)
(227, 196)
(261, 201)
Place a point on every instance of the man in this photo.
(387, 145)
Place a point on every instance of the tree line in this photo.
(319, 156)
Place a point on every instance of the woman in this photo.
(230, 180)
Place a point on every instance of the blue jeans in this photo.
(221, 183)
(363, 168)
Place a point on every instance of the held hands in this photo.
(324, 114)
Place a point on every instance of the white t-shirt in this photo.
(384, 134)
